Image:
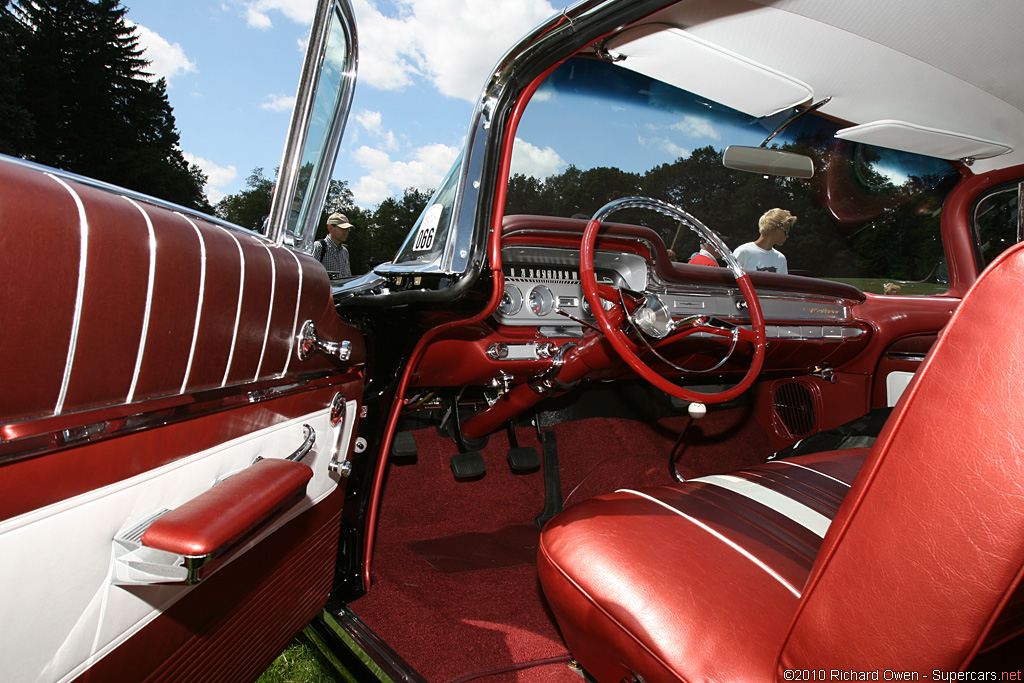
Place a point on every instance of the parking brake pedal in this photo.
(468, 466)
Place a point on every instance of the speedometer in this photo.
(542, 301)
(511, 300)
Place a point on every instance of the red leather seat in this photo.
(904, 557)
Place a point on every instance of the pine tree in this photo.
(93, 109)
(15, 120)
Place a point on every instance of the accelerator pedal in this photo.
(403, 446)
(521, 460)
(468, 466)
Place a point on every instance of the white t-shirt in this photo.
(753, 257)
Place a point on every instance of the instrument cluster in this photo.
(542, 285)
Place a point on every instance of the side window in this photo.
(997, 222)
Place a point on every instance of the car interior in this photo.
(563, 434)
(633, 468)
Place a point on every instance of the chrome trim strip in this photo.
(270, 310)
(137, 418)
(906, 356)
(814, 522)
(149, 298)
(199, 303)
(339, 632)
(295, 318)
(238, 310)
(83, 258)
(732, 544)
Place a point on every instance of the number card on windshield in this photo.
(428, 229)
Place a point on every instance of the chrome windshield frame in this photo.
(299, 128)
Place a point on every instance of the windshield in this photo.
(429, 236)
(596, 131)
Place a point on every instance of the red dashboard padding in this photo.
(929, 545)
(211, 521)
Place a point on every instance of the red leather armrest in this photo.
(210, 521)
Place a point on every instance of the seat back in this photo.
(928, 546)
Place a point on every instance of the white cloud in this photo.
(387, 48)
(665, 144)
(387, 177)
(698, 127)
(257, 12)
(372, 123)
(167, 60)
(217, 177)
(452, 43)
(278, 102)
(531, 160)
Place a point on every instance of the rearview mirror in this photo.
(768, 161)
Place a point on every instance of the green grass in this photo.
(298, 664)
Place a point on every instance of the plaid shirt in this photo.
(333, 257)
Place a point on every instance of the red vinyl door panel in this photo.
(150, 369)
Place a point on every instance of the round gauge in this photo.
(606, 305)
(542, 301)
(511, 300)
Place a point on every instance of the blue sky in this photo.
(232, 68)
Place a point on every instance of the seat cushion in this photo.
(659, 582)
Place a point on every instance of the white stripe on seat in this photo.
(805, 467)
(783, 504)
(742, 551)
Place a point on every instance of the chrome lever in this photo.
(308, 439)
(339, 463)
(310, 342)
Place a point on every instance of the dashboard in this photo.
(542, 290)
(809, 323)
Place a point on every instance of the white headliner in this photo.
(937, 64)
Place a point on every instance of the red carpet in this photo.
(455, 590)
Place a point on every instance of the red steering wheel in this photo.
(651, 320)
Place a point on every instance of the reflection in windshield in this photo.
(596, 131)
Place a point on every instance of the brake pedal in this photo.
(468, 466)
(523, 459)
(403, 445)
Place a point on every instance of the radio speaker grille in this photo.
(794, 409)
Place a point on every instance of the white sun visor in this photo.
(909, 137)
(678, 58)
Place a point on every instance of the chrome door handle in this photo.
(310, 342)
